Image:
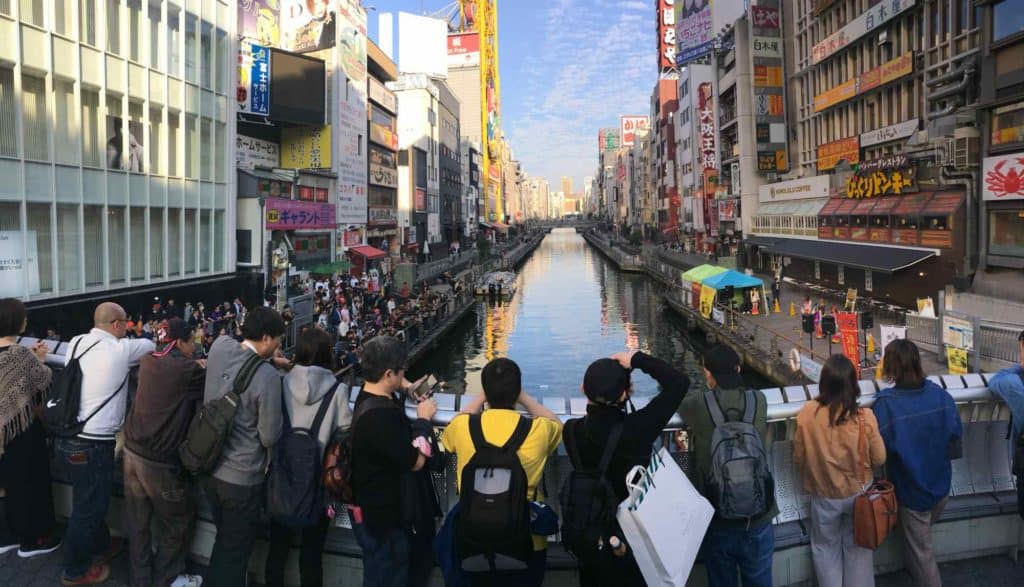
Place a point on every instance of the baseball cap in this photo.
(724, 363)
(605, 380)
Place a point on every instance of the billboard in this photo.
(284, 214)
(666, 35)
(383, 96)
(382, 168)
(869, 20)
(889, 71)
(251, 152)
(693, 30)
(797, 189)
(628, 127)
(257, 20)
(423, 44)
(350, 151)
(253, 92)
(306, 147)
(769, 81)
(706, 117)
(307, 25)
(607, 139)
(830, 154)
(1001, 177)
(463, 50)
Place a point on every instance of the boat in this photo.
(497, 284)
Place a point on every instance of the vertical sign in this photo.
(708, 150)
(253, 93)
(693, 38)
(666, 35)
(769, 86)
(847, 324)
(351, 101)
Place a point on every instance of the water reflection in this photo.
(571, 307)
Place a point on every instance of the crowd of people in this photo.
(497, 533)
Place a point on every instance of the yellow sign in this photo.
(306, 147)
(957, 360)
(887, 72)
(767, 76)
(879, 183)
(833, 96)
(830, 154)
(707, 300)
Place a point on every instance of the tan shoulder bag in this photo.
(874, 510)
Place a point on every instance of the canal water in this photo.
(571, 307)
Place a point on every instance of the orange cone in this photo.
(777, 309)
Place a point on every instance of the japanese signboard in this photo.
(766, 47)
(383, 136)
(727, 209)
(383, 96)
(797, 189)
(957, 331)
(257, 20)
(19, 264)
(868, 21)
(870, 184)
(607, 139)
(629, 125)
(350, 152)
(306, 147)
(830, 154)
(253, 92)
(766, 76)
(1003, 177)
(284, 214)
(381, 173)
(768, 105)
(251, 152)
(847, 324)
(420, 204)
(768, 91)
(463, 50)
(869, 80)
(765, 17)
(706, 117)
(772, 161)
(886, 163)
(383, 216)
(835, 95)
(693, 32)
(889, 133)
(666, 35)
(307, 26)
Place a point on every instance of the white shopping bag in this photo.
(663, 519)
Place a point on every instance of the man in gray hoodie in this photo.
(236, 488)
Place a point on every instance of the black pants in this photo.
(25, 476)
(238, 515)
(311, 567)
(612, 570)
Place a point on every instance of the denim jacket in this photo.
(1007, 384)
(918, 426)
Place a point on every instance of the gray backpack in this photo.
(739, 483)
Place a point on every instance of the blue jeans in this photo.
(731, 554)
(385, 557)
(90, 465)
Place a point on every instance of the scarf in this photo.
(23, 381)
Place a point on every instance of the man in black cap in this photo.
(732, 549)
(608, 388)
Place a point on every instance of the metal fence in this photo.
(996, 344)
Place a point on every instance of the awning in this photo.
(811, 207)
(266, 174)
(702, 272)
(367, 251)
(830, 206)
(884, 206)
(876, 258)
(863, 207)
(731, 278)
(943, 204)
(911, 205)
(846, 207)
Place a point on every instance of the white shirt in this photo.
(104, 369)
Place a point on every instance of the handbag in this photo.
(875, 509)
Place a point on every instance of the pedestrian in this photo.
(734, 548)
(835, 449)
(24, 456)
(305, 388)
(1008, 384)
(390, 452)
(157, 490)
(777, 291)
(464, 435)
(237, 486)
(105, 357)
(921, 427)
(607, 387)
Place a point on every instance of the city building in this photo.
(382, 130)
(418, 106)
(470, 163)
(664, 103)
(450, 167)
(566, 184)
(692, 158)
(536, 197)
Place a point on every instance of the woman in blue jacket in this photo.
(921, 428)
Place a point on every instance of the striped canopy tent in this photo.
(702, 272)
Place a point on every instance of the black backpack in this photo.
(337, 468)
(493, 528)
(294, 489)
(211, 425)
(588, 500)
(60, 412)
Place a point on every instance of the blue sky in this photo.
(568, 67)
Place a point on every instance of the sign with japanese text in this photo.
(607, 139)
(879, 76)
(383, 216)
(889, 133)
(770, 105)
(767, 76)
(383, 176)
(727, 209)
(772, 161)
(1003, 177)
(251, 152)
(666, 35)
(307, 26)
(463, 50)
(871, 184)
(766, 47)
(693, 31)
(19, 264)
(629, 125)
(887, 163)
(796, 189)
(846, 322)
(284, 214)
(351, 98)
(765, 17)
(835, 95)
(306, 147)
(383, 136)
(830, 154)
(258, 20)
(253, 92)
(421, 200)
(383, 96)
(868, 21)
(706, 117)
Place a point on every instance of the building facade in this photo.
(382, 131)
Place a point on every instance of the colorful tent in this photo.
(732, 278)
(701, 272)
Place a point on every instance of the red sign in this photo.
(421, 200)
(306, 193)
(464, 50)
(320, 194)
(352, 238)
(764, 17)
(847, 324)
(629, 125)
(695, 294)
(666, 35)
(706, 113)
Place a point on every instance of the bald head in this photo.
(110, 317)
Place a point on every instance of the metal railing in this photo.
(452, 263)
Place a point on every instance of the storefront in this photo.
(1003, 199)
(365, 259)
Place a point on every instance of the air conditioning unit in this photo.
(883, 38)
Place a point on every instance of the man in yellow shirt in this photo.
(502, 383)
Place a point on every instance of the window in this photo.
(135, 147)
(173, 40)
(62, 24)
(1006, 233)
(8, 116)
(191, 146)
(223, 53)
(191, 236)
(1008, 124)
(204, 241)
(86, 21)
(206, 55)
(156, 243)
(137, 226)
(219, 152)
(218, 240)
(174, 241)
(114, 138)
(117, 246)
(33, 91)
(92, 146)
(32, 12)
(40, 225)
(68, 248)
(135, 30)
(114, 26)
(155, 141)
(154, 34)
(935, 223)
(173, 136)
(191, 40)
(206, 149)
(92, 220)
(66, 142)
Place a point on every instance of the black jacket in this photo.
(169, 391)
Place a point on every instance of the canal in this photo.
(571, 306)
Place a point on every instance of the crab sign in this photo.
(1010, 183)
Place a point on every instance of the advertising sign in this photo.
(607, 139)
(383, 136)
(768, 105)
(766, 47)
(868, 21)
(629, 125)
(706, 114)
(463, 50)
(251, 152)
(351, 99)
(693, 31)
(772, 161)
(887, 72)
(767, 76)
(383, 216)
(797, 189)
(727, 209)
(421, 200)
(257, 20)
(765, 17)
(889, 133)
(352, 238)
(666, 35)
(870, 184)
(1003, 177)
(307, 25)
(835, 95)
(306, 147)
(957, 332)
(830, 154)
(846, 322)
(19, 264)
(253, 92)
(383, 96)
(382, 169)
(284, 214)
(956, 360)
(707, 300)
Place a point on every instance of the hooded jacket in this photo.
(305, 387)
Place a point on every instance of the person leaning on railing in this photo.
(1008, 384)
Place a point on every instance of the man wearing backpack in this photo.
(236, 486)
(478, 440)
(618, 440)
(740, 542)
(104, 356)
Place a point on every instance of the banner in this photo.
(463, 50)
(251, 152)
(383, 96)
(867, 21)
(284, 214)
(706, 114)
(666, 35)
(956, 359)
(830, 154)
(707, 300)
(847, 324)
(351, 99)
(253, 93)
(693, 33)
(306, 147)
(695, 289)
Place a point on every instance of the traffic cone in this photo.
(792, 309)
(778, 310)
(871, 344)
(835, 339)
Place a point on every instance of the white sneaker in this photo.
(187, 581)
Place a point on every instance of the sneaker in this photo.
(44, 545)
(5, 548)
(187, 581)
(114, 549)
(96, 574)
